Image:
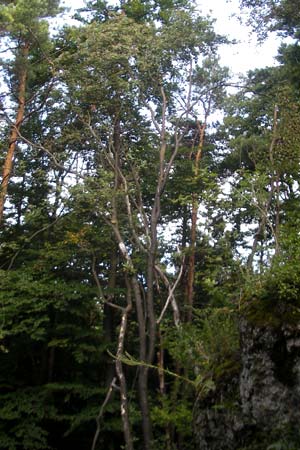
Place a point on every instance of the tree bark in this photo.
(8, 163)
(195, 207)
(143, 371)
(120, 372)
(143, 354)
(109, 313)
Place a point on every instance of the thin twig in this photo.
(49, 225)
(101, 412)
(100, 290)
(171, 297)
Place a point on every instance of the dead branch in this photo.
(102, 410)
(171, 297)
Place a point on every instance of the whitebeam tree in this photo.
(131, 83)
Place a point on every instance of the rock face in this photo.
(259, 405)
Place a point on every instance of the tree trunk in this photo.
(8, 163)
(120, 372)
(109, 313)
(195, 206)
(264, 210)
(143, 371)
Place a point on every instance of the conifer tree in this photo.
(24, 30)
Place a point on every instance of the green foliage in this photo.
(273, 299)
(219, 333)
(25, 410)
(103, 100)
(50, 332)
(20, 19)
(286, 438)
(281, 15)
(283, 445)
(204, 347)
(179, 418)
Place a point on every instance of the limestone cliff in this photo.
(256, 403)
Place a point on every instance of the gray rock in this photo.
(262, 398)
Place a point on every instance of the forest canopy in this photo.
(135, 227)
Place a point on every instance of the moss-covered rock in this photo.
(256, 400)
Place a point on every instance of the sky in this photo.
(247, 54)
(241, 57)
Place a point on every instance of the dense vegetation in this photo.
(134, 227)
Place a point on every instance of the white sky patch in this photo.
(247, 54)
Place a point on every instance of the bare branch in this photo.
(100, 290)
(155, 123)
(48, 152)
(96, 278)
(129, 211)
(102, 410)
(140, 204)
(46, 227)
(171, 297)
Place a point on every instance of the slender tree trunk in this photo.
(150, 281)
(155, 215)
(264, 211)
(109, 312)
(143, 371)
(160, 363)
(51, 361)
(8, 163)
(20, 202)
(143, 354)
(277, 219)
(162, 387)
(120, 372)
(261, 227)
(195, 207)
(151, 320)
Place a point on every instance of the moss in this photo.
(274, 298)
(271, 312)
(282, 438)
(229, 368)
(228, 405)
(224, 376)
